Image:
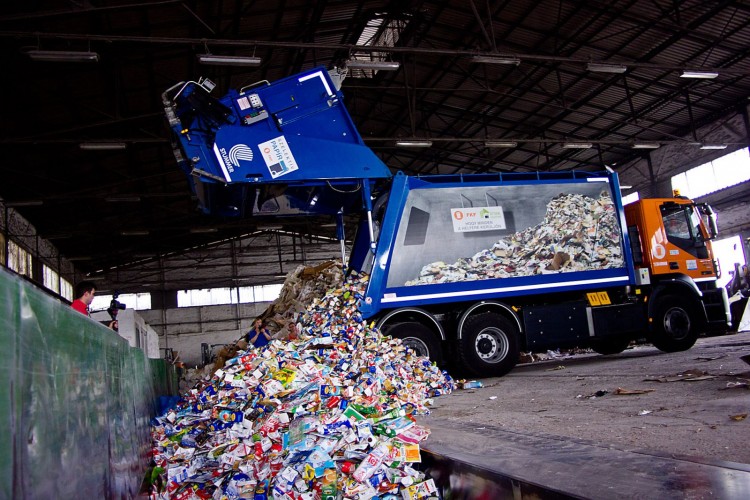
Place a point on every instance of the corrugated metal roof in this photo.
(437, 92)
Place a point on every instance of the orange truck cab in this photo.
(675, 266)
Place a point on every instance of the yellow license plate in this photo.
(598, 299)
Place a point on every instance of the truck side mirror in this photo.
(710, 219)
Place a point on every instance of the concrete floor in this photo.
(699, 418)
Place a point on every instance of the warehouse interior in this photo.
(560, 74)
(91, 189)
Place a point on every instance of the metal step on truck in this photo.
(470, 267)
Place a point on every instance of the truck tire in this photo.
(673, 328)
(419, 338)
(489, 345)
(610, 346)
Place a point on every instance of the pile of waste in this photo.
(578, 233)
(301, 288)
(328, 415)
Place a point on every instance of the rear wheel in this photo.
(489, 345)
(419, 338)
(674, 328)
(610, 346)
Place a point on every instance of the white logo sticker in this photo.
(278, 157)
(467, 220)
(240, 152)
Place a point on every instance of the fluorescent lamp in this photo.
(577, 145)
(606, 68)
(500, 144)
(102, 146)
(414, 144)
(197, 230)
(24, 203)
(713, 146)
(509, 60)
(62, 56)
(645, 145)
(125, 199)
(228, 60)
(134, 233)
(377, 65)
(699, 74)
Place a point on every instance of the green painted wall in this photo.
(75, 398)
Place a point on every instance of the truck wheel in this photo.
(418, 337)
(489, 345)
(610, 346)
(674, 328)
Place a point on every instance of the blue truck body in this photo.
(472, 267)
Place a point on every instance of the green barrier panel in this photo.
(76, 398)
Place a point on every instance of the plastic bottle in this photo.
(474, 384)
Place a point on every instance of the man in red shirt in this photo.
(85, 291)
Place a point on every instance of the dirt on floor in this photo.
(694, 403)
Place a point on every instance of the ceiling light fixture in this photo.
(125, 199)
(699, 74)
(134, 233)
(509, 60)
(500, 144)
(414, 144)
(645, 145)
(198, 230)
(102, 146)
(24, 203)
(713, 146)
(62, 56)
(577, 145)
(606, 68)
(377, 65)
(217, 60)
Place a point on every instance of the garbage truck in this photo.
(471, 268)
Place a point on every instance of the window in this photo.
(218, 296)
(51, 279)
(724, 172)
(381, 32)
(729, 252)
(19, 260)
(66, 289)
(631, 198)
(682, 225)
(137, 301)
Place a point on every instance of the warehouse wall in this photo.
(76, 401)
(184, 329)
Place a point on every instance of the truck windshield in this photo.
(683, 228)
